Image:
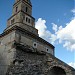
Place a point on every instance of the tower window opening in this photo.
(28, 20)
(26, 9)
(16, 9)
(12, 21)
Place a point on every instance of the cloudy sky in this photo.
(55, 23)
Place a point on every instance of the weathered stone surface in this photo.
(22, 59)
(28, 63)
(23, 52)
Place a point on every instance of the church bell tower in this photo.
(22, 16)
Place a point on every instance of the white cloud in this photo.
(54, 27)
(72, 64)
(73, 10)
(40, 25)
(43, 32)
(65, 35)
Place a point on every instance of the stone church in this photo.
(22, 51)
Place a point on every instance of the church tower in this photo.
(22, 16)
(22, 51)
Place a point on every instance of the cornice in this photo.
(14, 28)
(23, 12)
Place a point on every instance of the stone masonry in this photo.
(23, 52)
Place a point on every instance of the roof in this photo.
(26, 1)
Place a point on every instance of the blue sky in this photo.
(51, 14)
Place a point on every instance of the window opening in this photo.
(26, 19)
(29, 21)
(47, 49)
(12, 21)
(26, 9)
(16, 9)
(35, 45)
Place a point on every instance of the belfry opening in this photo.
(56, 71)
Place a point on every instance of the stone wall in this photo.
(18, 56)
(29, 40)
(35, 64)
(7, 55)
(23, 59)
(25, 38)
(7, 52)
